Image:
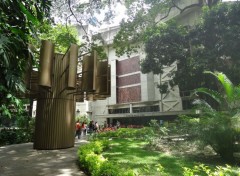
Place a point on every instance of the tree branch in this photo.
(169, 10)
(67, 23)
(190, 6)
(174, 5)
(69, 5)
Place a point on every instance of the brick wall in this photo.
(128, 80)
(129, 94)
(128, 66)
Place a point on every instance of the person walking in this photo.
(78, 129)
(96, 127)
(84, 128)
(91, 127)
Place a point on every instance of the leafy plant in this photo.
(219, 126)
(91, 159)
(83, 118)
(15, 136)
(125, 133)
(206, 171)
(18, 21)
(62, 36)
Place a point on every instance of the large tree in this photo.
(89, 16)
(211, 45)
(18, 21)
(144, 16)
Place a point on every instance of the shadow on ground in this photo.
(22, 159)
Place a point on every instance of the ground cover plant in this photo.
(122, 154)
(131, 153)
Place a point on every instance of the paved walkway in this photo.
(23, 160)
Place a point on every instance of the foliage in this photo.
(129, 156)
(219, 127)
(81, 13)
(83, 118)
(132, 154)
(87, 16)
(205, 170)
(125, 133)
(214, 42)
(15, 136)
(24, 132)
(108, 168)
(168, 45)
(158, 129)
(143, 17)
(149, 134)
(10, 103)
(210, 45)
(62, 36)
(89, 150)
(18, 20)
(91, 159)
(203, 47)
(156, 133)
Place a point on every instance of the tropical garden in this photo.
(204, 52)
(207, 56)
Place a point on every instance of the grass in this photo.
(131, 153)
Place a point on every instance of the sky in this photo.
(119, 12)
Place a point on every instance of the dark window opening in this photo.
(119, 111)
(146, 109)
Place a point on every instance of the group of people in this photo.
(83, 128)
(92, 127)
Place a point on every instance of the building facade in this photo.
(135, 98)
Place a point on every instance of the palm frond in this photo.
(236, 92)
(213, 94)
(225, 82)
(202, 104)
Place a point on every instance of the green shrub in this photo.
(95, 164)
(214, 130)
(15, 136)
(157, 128)
(218, 122)
(125, 133)
(109, 169)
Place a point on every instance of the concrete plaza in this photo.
(23, 160)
